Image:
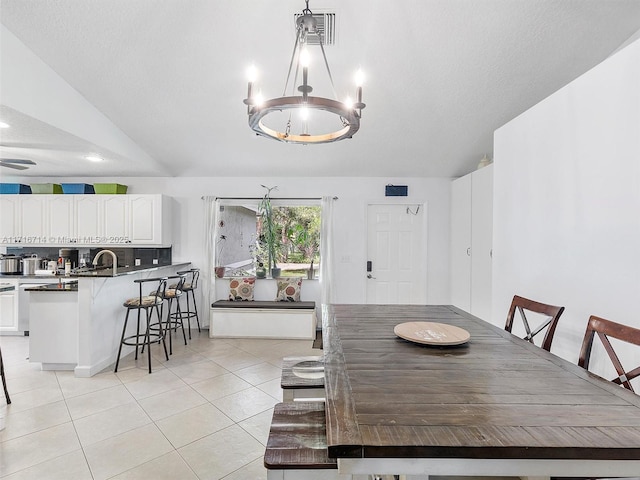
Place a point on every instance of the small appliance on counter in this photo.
(68, 255)
(10, 265)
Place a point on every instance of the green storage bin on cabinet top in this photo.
(46, 188)
(109, 188)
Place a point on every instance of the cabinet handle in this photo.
(469, 251)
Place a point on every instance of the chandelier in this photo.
(297, 122)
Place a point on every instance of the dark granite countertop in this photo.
(55, 287)
(6, 287)
(108, 272)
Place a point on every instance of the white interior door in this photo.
(397, 254)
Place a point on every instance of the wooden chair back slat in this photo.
(521, 305)
(605, 329)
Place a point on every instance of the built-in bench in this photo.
(263, 319)
(297, 444)
(302, 378)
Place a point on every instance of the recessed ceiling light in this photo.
(4, 125)
(94, 158)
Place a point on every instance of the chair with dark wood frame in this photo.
(521, 304)
(605, 329)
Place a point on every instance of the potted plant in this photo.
(269, 232)
(220, 269)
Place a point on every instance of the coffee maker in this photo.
(70, 254)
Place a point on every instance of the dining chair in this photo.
(553, 313)
(605, 329)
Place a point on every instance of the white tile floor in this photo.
(204, 414)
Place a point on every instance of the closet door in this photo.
(461, 243)
(481, 241)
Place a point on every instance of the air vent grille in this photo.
(326, 28)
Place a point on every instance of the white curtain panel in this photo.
(326, 252)
(211, 209)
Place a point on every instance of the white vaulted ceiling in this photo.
(169, 75)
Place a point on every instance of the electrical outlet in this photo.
(137, 262)
(155, 261)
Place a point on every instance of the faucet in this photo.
(113, 256)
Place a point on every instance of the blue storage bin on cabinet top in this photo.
(14, 188)
(77, 188)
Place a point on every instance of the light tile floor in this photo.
(204, 414)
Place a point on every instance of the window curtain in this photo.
(211, 210)
(326, 252)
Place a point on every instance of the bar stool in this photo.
(190, 285)
(4, 381)
(174, 319)
(148, 303)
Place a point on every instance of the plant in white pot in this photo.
(269, 231)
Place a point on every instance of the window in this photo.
(240, 246)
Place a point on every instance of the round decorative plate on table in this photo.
(430, 333)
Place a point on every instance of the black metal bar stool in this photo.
(148, 303)
(190, 286)
(174, 318)
(4, 381)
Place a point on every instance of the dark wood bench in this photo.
(263, 319)
(302, 378)
(297, 444)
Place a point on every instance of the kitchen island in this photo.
(91, 315)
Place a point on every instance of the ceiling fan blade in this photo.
(17, 160)
(15, 167)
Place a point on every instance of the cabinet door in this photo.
(8, 311)
(116, 219)
(89, 219)
(461, 243)
(33, 215)
(146, 218)
(61, 219)
(481, 242)
(9, 219)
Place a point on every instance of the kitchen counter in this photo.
(7, 287)
(108, 272)
(55, 287)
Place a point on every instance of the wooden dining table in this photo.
(493, 405)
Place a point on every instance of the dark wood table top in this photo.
(495, 397)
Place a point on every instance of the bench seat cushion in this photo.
(265, 304)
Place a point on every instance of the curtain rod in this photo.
(272, 198)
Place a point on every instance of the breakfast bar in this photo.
(77, 325)
(492, 405)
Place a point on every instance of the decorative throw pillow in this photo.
(241, 289)
(289, 290)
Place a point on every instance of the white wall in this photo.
(567, 203)
(350, 218)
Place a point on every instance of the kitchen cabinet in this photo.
(471, 242)
(9, 309)
(33, 219)
(85, 220)
(61, 219)
(9, 218)
(116, 219)
(89, 218)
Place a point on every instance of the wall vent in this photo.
(326, 27)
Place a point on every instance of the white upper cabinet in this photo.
(89, 218)
(59, 220)
(33, 219)
(9, 219)
(116, 219)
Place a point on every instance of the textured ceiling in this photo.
(441, 76)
